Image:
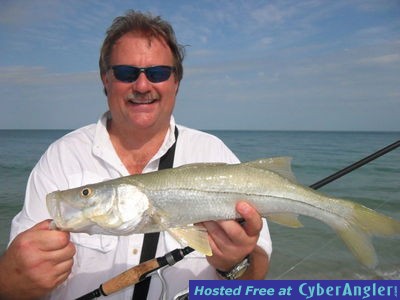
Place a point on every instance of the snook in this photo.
(174, 199)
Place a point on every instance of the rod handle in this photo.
(129, 277)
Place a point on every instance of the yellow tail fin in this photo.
(360, 226)
(375, 223)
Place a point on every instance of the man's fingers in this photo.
(44, 225)
(216, 233)
(252, 220)
(45, 239)
(63, 267)
(61, 255)
(54, 240)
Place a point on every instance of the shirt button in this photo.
(134, 251)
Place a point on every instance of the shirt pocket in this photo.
(94, 254)
(98, 242)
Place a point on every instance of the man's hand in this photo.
(231, 242)
(36, 262)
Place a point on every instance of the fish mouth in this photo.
(66, 215)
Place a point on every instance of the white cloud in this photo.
(40, 76)
(20, 13)
(33, 97)
(381, 60)
(271, 14)
(266, 40)
(263, 59)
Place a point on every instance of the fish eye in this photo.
(86, 192)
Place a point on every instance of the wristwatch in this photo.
(237, 270)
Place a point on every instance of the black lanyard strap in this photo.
(150, 240)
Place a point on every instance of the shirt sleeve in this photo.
(41, 182)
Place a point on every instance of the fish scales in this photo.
(175, 199)
(216, 187)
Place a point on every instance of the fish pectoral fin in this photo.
(286, 219)
(193, 236)
(280, 165)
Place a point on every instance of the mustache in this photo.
(137, 96)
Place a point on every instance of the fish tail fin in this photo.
(356, 232)
(375, 223)
(359, 243)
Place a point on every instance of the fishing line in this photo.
(305, 258)
(143, 270)
(335, 176)
(318, 249)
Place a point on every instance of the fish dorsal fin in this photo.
(193, 236)
(285, 219)
(280, 165)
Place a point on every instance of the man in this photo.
(141, 69)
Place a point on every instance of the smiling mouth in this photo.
(141, 101)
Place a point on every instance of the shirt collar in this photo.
(103, 148)
(169, 140)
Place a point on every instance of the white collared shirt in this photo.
(86, 156)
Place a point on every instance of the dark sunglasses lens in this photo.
(126, 73)
(158, 73)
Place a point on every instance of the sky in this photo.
(249, 65)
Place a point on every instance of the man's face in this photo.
(142, 104)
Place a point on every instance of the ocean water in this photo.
(311, 252)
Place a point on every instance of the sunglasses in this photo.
(130, 74)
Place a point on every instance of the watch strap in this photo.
(237, 271)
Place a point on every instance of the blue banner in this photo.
(294, 289)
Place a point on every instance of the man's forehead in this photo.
(150, 37)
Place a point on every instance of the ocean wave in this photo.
(391, 274)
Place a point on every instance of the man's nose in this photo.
(141, 84)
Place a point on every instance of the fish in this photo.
(177, 200)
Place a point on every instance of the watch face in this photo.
(237, 270)
(241, 271)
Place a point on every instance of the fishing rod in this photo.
(137, 273)
(355, 165)
(143, 270)
(337, 175)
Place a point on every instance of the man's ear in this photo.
(177, 88)
(104, 79)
